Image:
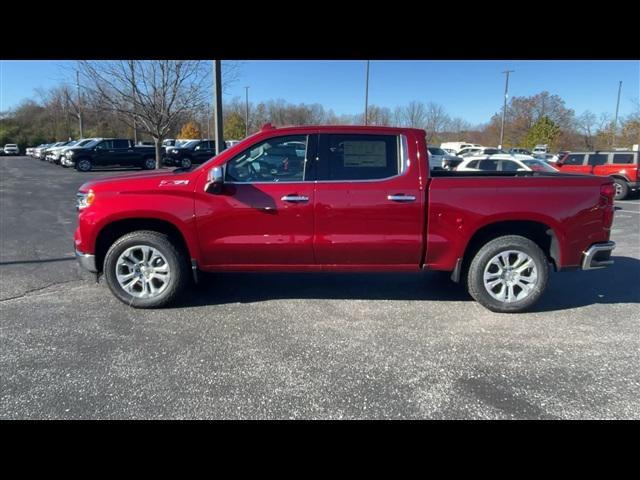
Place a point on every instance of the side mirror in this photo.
(215, 180)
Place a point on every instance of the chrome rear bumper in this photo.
(597, 256)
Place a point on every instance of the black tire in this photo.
(186, 162)
(177, 260)
(622, 189)
(84, 165)
(475, 277)
(149, 163)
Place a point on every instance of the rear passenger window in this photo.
(509, 166)
(120, 144)
(574, 159)
(361, 157)
(489, 165)
(623, 158)
(598, 158)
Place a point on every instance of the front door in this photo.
(369, 204)
(264, 215)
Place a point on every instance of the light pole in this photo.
(208, 120)
(246, 112)
(79, 102)
(366, 96)
(217, 105)
(615, 121)
(504, 108)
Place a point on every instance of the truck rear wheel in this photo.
(508, 274)
(622, 189)
(144, 269)
(149, 163)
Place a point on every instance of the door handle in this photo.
(401, 198)
(295, 198)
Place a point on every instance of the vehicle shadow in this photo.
(620, 283)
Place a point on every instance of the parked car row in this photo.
(85, 154)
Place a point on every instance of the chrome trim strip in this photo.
(589, 264)
(294, 198)
(87, 261)
(401, 198)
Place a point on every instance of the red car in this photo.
(341, 199)
(621, 166)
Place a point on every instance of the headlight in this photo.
(84, 199)
(69, 153)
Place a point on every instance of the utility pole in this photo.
(504, 108)
(208, 120)
(366, 96)
(133, 93)
(246, 112)
(217, 105)
(79, 102)
(615, 121)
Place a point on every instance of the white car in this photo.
(457, 146)
(440, 159)
(540, 150)
(11, 149)
(473, 151)
(505, 163)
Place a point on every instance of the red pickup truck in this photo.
(341, 199)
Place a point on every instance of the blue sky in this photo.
(472, 90)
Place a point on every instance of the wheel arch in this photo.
(109, 233)
(538, 232)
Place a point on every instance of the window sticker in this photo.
(365, 154)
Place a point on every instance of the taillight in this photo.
(607, 192)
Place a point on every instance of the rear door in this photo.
(598, 163)
(204, 151)
(369, 205)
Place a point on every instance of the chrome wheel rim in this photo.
(143, 271)
(150, 163)
(84, 164)
(618, 189)
(510, 276)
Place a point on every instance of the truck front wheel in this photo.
(144, 269)
(508, 274)
(83, 165)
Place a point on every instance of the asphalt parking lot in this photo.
(282, 346)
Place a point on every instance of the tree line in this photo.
(154, 100)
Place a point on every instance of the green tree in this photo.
(544, 131)
(234, 127)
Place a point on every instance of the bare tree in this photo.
(435, 120)
(585, 124)
(150, 95)
(415, 115)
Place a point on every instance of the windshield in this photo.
(187, 144)
(89, 142)
(436, 151)
(539, 166)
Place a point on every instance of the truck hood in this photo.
(141, 181)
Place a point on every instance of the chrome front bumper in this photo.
(86, 261)
(598, 256)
